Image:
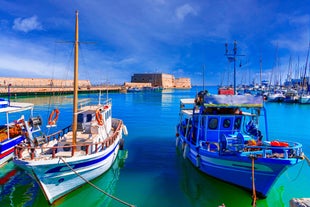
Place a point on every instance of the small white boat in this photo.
(134, 89)
(291, 96)
(275, 97)
(67, 159)
(304, 99)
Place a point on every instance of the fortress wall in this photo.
(40, 82)
(183, 83)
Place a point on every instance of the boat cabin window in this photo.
(107, 114)
(80, 118)
(213, 122)
(226, 123)
(237, 124)
(89, 117)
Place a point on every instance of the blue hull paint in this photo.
(8, 144)
(84, 164)
(6, 148)
(238, 170)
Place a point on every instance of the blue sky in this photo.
(154, 36)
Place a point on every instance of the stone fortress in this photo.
(158, 80)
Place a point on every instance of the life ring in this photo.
(99, 117)
(53, 117)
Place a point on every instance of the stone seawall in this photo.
(44, 86)
(28, 91)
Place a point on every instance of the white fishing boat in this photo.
(67, 159)
(12, 125)
(275, 97)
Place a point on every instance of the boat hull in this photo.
(304, 100)
(57, 179)
(237, 170)
(7, 148)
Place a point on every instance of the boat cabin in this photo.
(219, 121)
(89, 118)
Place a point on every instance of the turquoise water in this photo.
(151, 172)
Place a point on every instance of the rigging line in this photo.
(69, 65)
(53, 70)
(83, 62)
(96, 187)
(65, 78)
(299, 171)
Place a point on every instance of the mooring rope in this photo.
(96, 187)
(253, 183)
(307, 159)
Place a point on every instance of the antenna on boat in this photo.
(9, 94)
(203, 77)
(232, 58)
(99, 97)
(260, 70)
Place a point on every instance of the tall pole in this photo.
(76, 67)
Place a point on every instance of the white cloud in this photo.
(27, 24)
(184, 10)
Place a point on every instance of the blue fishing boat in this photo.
(226, 136)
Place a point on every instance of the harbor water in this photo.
(151, 172)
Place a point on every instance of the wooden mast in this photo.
(75, 82)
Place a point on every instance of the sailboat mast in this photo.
(75, 82)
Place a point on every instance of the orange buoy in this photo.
(99, 117)
(53, 117)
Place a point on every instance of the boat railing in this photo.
(58, 134)
(70, 150)
(294, 150)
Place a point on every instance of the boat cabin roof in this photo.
(228, 101)
(15, 107)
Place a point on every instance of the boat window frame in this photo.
(224, 123)
(210, 119)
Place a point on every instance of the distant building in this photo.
(161, 80)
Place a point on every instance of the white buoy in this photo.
(125, 131)
(177, 141)
(198, 159)
(185, 152)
